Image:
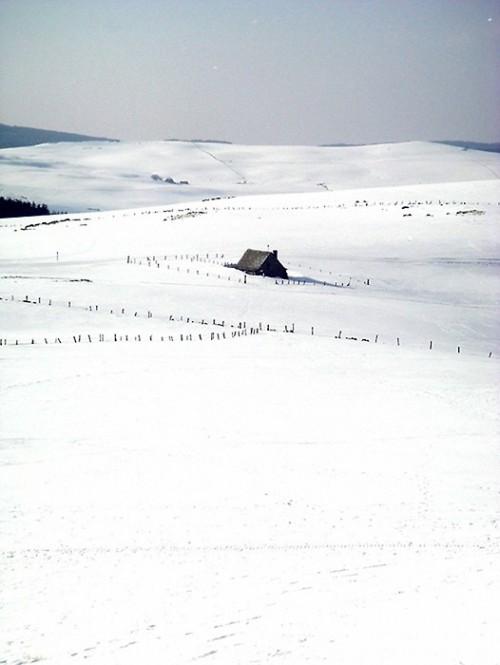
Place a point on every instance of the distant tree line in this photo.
(19, 208)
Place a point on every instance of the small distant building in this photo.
(257, 262)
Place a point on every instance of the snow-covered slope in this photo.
(184, 478)
(78, 177)
(422, 261)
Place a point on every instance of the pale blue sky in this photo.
(254, 71)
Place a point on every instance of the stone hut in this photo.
(257, 262)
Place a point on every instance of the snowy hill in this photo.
(12, 136)
(84, 176)
(202, 466)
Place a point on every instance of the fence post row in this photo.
(241, 325)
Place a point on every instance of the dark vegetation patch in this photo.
(20, 208)
(49, 222)
(199, 141)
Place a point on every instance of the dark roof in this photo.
(253, 259)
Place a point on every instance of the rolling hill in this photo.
(97, 175)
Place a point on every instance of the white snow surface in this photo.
(181, 483)
(102, 175)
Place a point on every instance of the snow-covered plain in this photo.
(183, 479)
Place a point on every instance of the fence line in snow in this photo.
(160, 261)
(122, 311)
(241, 327)
(88, 338)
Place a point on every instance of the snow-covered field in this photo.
(101, 175)
(185, 479)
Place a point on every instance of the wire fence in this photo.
(125, 337)
(176, 262)
(233, 328)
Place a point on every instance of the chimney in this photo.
(275, 252)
